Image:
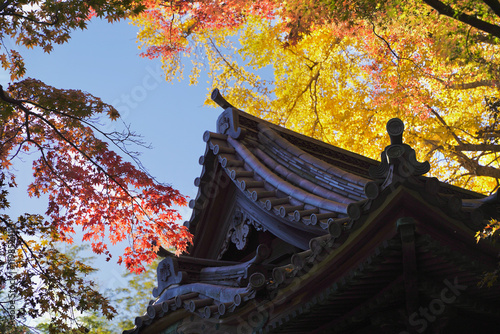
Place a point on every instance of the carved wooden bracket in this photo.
(239, 229)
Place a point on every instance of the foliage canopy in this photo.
(79, 167)
(338, 70)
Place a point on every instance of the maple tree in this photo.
(129, 300)
(338, 70)
(88, 184)
(132, 299)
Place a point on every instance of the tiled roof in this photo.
(310, 186)
(285, 180)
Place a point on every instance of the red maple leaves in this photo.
(173, 22)
(87, 183)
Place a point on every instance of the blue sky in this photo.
(104, 61)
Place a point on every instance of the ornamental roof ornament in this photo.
(228, 121)
(398, 160)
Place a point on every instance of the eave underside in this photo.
(372, 298)
(367, 292)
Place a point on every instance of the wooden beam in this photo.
(406, 229)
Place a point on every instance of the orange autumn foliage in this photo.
(338, 70)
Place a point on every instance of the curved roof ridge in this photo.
(304, 156)
(274, 180)
(301, 182)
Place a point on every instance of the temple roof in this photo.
(338, 211)
(302, 182)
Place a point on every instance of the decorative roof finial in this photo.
(217, 97)
(399, 161)
(395, 128)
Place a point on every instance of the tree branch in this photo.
(442, 121)
(476, 169)
(28, 19)
(113, 137)
(313, 92)
(464, 18)
(20, 105)
(230, 66)
(385, 41)
(296, 100)
(494, 5)
(33, 256)
(469, 164)
(477, 148)
(474, 84)
(56, 175)
(488, 134)
(4, 5)
(9, 13)
(488, 39)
